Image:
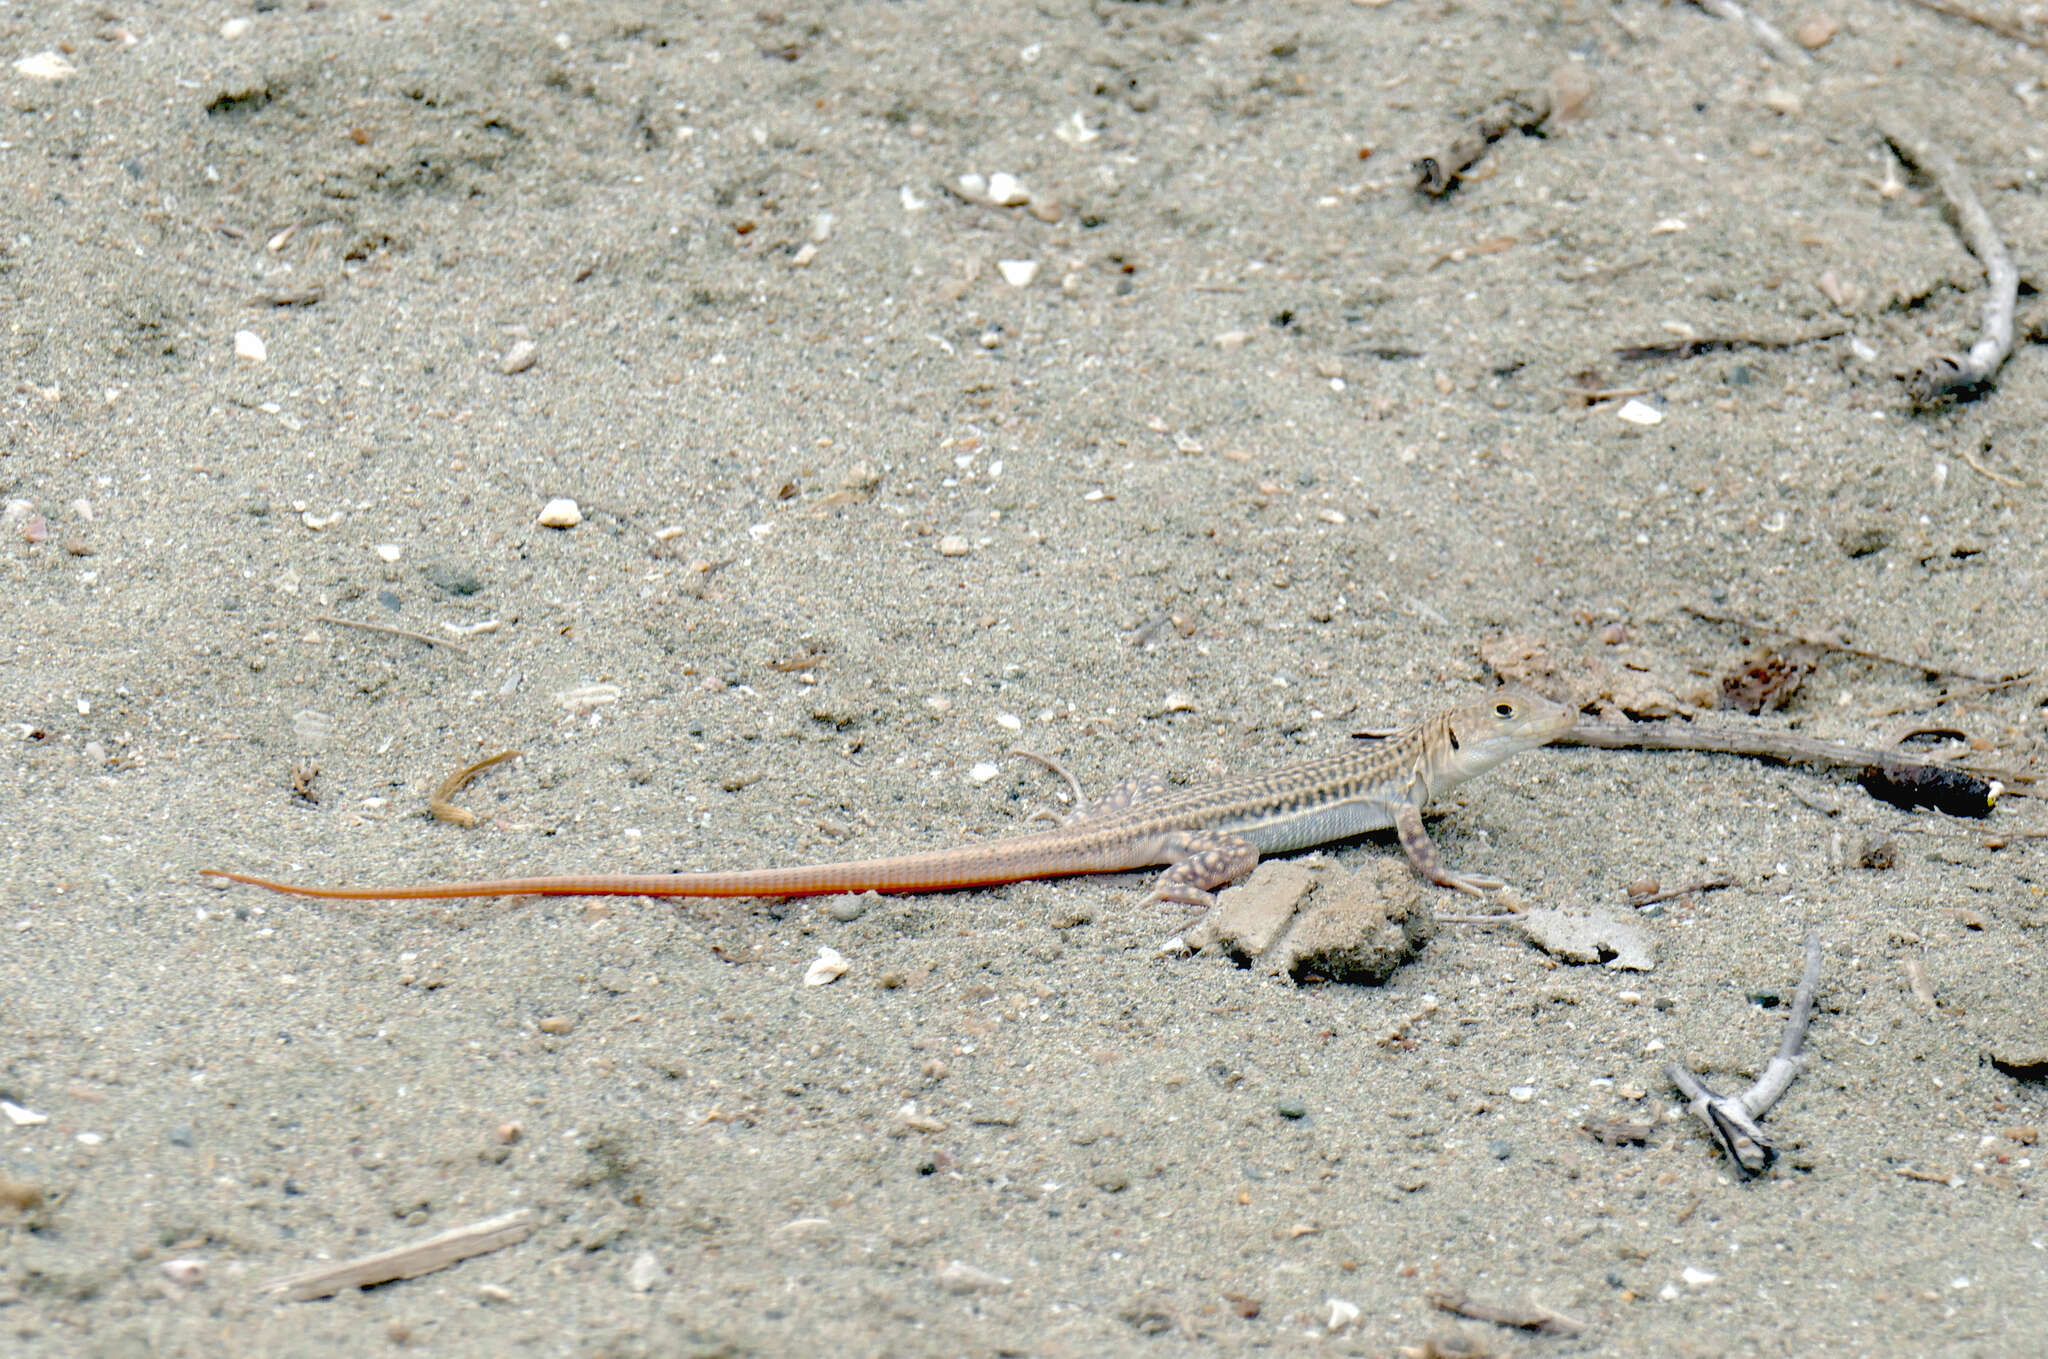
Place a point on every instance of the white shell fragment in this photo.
(520, 357)
(45, 66)
(1007, 191)
(589, 697)
(560, 513)
(1641, 413)
(973, 187)
(19, 1116)
(1017, 273)
(953, 545)
(185, 1270)
(828, 967)
(389, 552)
(249, 346)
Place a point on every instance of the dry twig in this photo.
(409, 1262)
(2003, 27)
(1950, 375)
(1438, 174)
(1783, 747)
(438, 801)
(1844, 648)
(389, 631)
(1529, 1316)
(1733, 1119)
(1775, 42)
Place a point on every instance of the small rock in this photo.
(973, 187)
(558, 1024)
(1595, 937)
(953, 545)
(644, 1273)
(237, 28)
(1641, 413)
(520, 357)
(807, 252)
(1342, 1314)
(1359, 928)
(1815, 32)
(1291, 1109)
(186, 1270)
(848, 909)
(959, 1277)
(1232, 339)
(1249, 917)
(1007, 191)
(1017, 273)
(828, 967)
(45, 66)
(1782, 102)
(560, 513)
(389, 552)
(249, 347)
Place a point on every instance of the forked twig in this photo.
(1951, 374)
(1734, 1119)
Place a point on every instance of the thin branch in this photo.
(390, 631)
(438, 801)
(2003, 27)
(1776, 43)
(409, 1262)
(1436, 175)
(1844, 648)
(1951, 374)
(1783, 747)
(1734, 1119)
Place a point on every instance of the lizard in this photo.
(1210, 835)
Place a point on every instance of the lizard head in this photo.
(1506, 722)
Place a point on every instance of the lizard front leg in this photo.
(1421, 853)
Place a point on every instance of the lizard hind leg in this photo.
(1208, 860)
(1129, 793)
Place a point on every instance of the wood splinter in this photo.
(409, 1262)
(438, 801)
(1734, 1120)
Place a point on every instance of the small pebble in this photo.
(1500, 1148)
(389, 552)
(644, 1273)
(249, 346)
(560, 513)
(828, 967)
(1641, 413)
(494, 1293)
(1669, 226)
(983, 772)
(1017, 273)
(45, 66)
(1007, 191)
(185, 1270)
(1291, 1108)
(557, 1024)
(1232, 339)
(1342, 1313)
(1815, 32)
(973, 187)
(236, 28)
(1521, 1094)
(959, 1277)
(953, 545)
(520, 357)
(807, 252)
(847, 909)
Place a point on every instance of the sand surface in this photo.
(1270, 449)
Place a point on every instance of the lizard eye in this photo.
(1503, 710)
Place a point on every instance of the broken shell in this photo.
(828, 967)
(1641, 413)
(1017, 273)
(560, 513)
(249, 345)
(1007, 191)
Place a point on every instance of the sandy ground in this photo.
(1269, 450)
